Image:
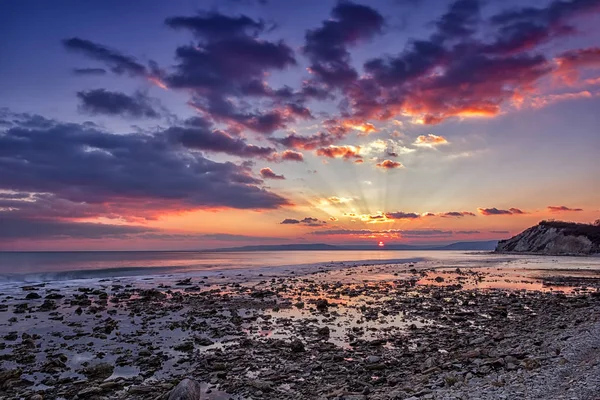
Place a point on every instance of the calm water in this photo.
(49, 266)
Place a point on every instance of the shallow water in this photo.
(62, 266)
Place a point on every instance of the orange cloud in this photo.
(556, 209)
(495, 211)
(267, 173)
(430, 140)
(345, 152)
(570, 62)
(543, 101)
(389, 164)
(365, 128)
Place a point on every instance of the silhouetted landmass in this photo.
(483, 245)
(554, 237)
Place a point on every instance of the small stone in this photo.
(89, 391)
(32, 296)
(297, 346)
(322, 304)
(99, 371)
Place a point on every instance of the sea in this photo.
(64, 266)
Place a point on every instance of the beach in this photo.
(466, 326)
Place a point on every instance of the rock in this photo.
(322, 304)
(185, 347)
(439, 279)
(89, 391)
(373, 359)
(99, 371)
(297, 346)
(203, 341)
(187, 389)
(32, 296)
(478, 340)
(323, 331)
(36, 397)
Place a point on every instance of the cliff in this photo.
(554, 238)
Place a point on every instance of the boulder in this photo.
(187, 389)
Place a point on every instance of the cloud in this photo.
(267, 173)
(308, 221)
(414, 233)
(118, 62)
(389, 164)
(228, 237)
(212, 70)
(89, 71)
(20, 228)
(129, 174)
(289, 221)
(468, 67)
(215, 26)
(402, 215)
(545, 100)
(556, 209)
(430, 140)
(345, 152)
(290, 155)
(500, 232)
(295, 141)
(457, 214)
(204, 137)
(570, 62)
(338, 200)
(326, 46)
(495, 211)
(102, 101)
(467, 232)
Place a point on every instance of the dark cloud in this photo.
(402, 215)
(495, 211)
(137, 173)
(223, 110)
(102, 101)
(500, 232)
(311, 142)
(215, 26)
(467, 232)
(414, 233)
(457, 214)
(524, 28)
(227, 237)
(118, 62)
(326, 46)
(204, 137)
(562, 208)
(267, 173)
(89, 71)
(229, 60)
(18, 228)
(308, 221)
(460, 20)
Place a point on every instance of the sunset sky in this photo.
(134, 125)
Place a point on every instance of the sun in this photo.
(380, 244)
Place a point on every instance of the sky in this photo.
(195, 124)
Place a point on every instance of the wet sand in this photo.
(337, 331)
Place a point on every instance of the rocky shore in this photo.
(397, 331)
